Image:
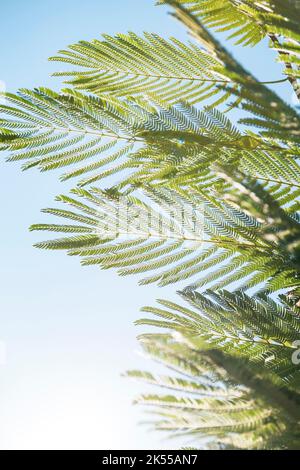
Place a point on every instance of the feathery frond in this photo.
(129, 65)
(176, 238)
(257, 329)
(205, 402)
(138, 140)
(191, 197)
(249, 22)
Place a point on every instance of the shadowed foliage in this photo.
(172, 186)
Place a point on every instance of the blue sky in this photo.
(68, 330)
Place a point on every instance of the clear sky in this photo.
(68, 331)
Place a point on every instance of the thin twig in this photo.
(285, 55)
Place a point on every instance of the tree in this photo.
(223, 200)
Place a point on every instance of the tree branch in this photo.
(285, 55)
